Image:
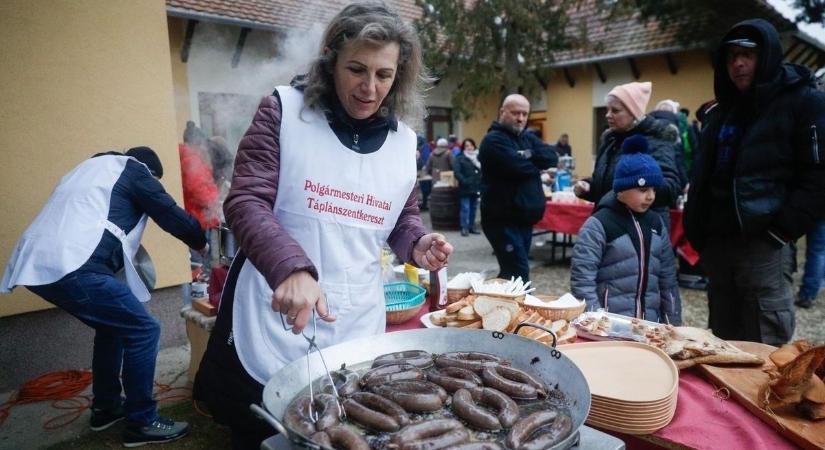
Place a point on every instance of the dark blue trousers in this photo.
(511, 243)
(126, 339)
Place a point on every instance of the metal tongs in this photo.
(313, 415)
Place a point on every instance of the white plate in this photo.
(425, 320)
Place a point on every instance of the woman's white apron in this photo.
(340, 207)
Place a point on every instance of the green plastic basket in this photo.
(403, 295)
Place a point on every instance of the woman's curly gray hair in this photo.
(371, 23)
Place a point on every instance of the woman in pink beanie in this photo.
(626, 105)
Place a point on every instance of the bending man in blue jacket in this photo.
(77, 255)
(512, 199)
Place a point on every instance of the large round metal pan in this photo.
(552, 366)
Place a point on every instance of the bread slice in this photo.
(475, 324)
(467, 313)
(484, 305)
(497, 319)
(439, 318)
(559, 327)
(568, 337)
(459, 323)
(456, 306)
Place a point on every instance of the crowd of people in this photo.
(310, 233)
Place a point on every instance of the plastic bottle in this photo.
(411, 273)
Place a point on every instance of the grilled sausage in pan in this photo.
(375, 412)
(506, 410)
(431, 435)
(414, 396)
(516, 389)
(345, 380)
(552, 436)
(455, 378)
(475, 361)
(521, 436)
(417, 358)
(394, 372)
(297, 418)
(344, 438)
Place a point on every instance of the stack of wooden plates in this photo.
(634, 386)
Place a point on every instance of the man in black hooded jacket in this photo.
(512, 198)
(759, 183)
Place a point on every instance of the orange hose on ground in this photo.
(64, 390)
(54, 386)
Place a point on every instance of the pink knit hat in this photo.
(634, 96)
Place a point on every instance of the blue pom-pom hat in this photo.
(636, 168)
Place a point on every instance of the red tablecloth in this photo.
(568, 218)
(702, 420)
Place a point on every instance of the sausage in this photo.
(341, 437)
(554, 434)
(523, 377)
(455, 378)
(507, 411)
(327, 410)
(321, 438)
(297, 418)
(417, 358)
(395, 372)
(476, 446)
(524, 428)
(414, 396)
(507, 408)
(375, 412)
(515, 389)
(431, 435)
(344, 380)
(475, 415)
(475, 361)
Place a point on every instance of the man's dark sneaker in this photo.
(464, 232)
(104, 418)
(474, 231)
(159, 431)
(804, 302)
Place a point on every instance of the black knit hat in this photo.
(147, 156)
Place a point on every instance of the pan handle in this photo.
(534, 325)
(268, 418)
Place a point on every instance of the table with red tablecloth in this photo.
(704, 419)
(568, 218)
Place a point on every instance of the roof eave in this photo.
(221, 19)
(618, 56)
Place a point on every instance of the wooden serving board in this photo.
(744, 383)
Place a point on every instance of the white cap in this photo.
(441, 143)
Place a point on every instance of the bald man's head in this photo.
(513, 113)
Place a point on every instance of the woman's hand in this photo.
(432, 251)
(581, 188)
(296, 297)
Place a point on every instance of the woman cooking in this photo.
(324, 176)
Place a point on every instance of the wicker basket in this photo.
(518, 298)
(454, 295)
(403, 301)
(554, 313)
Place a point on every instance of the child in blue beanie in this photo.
(623, 261)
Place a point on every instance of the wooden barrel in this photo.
(445, 208)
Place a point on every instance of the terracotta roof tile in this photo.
(605, 37)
